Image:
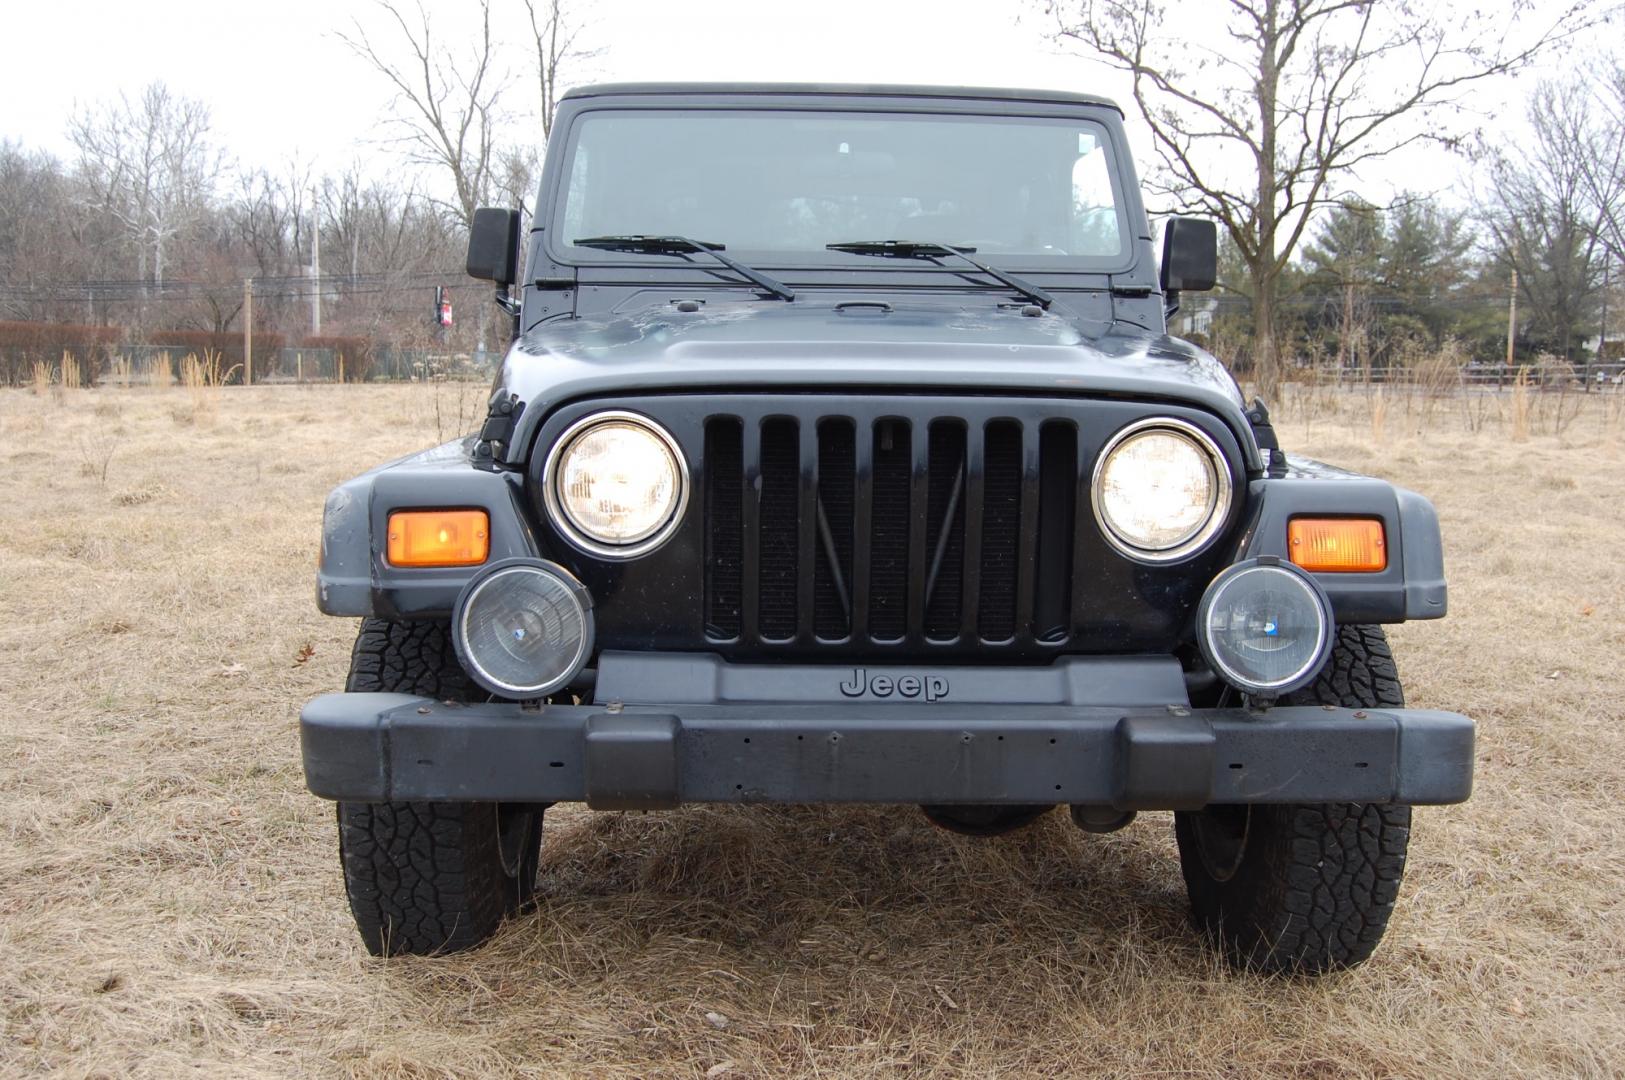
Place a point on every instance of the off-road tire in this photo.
(1304, 888)
(429, 877)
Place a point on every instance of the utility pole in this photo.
(316, 267)
(248, 331)
(1512, 318)
(1602, 339)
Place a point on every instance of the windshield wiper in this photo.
(926, 249)
(682, 245)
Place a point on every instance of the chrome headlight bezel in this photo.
(1219, 495)
(573, 531)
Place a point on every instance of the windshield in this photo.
(1021, 191)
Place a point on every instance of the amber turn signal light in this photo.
(1337, 545)
(439, 537)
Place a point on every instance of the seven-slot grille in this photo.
(856, 530)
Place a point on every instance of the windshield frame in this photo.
(561, 164)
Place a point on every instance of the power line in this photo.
(284, 286)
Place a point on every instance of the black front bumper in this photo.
(382, 747)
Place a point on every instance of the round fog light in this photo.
(523, 628)
(1265, 626)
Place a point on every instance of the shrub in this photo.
(24, 344)
(229, 348)
(356, 350)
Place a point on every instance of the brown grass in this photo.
(1379, 416)
(170, 900)
(161, 371)
(203, 380)
(1521, 406)
(70, 371)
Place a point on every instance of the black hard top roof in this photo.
(736, 89)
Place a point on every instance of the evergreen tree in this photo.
(1426, 263)
(1346, 260)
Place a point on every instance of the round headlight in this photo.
(1161, 489)
(616, 484)
(1265, 626)
(523, 629)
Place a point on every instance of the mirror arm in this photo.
(1170, 304)
(510, 307)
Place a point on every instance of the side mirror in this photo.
(493, 246)
(1190, 255)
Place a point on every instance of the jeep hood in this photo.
(855, 347)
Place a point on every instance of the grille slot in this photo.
(724, 533)
(888, 539)
(1058, 482)
(876, 530)
(945, 530)
(837, 484)
(781, 471)
(1001, 524)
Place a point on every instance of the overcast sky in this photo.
(279, 82)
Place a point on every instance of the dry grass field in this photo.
(170, 901)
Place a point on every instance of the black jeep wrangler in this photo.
(842, 454)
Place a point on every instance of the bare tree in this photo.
(268, 217)
(44, 236)
(1544, 221)
(1603, 159)
(1256, 125)
(150, 166)
(515, 181)
(448, 105)
(554, 33)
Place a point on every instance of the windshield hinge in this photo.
(1258, 416)
(500, 419)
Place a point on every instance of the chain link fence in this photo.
(1596, 377)
(144, 364)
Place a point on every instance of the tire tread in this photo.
(421, 877)
(1316, 888)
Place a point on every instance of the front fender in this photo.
(1412, 586)
(354, 578)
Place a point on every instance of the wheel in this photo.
(430, 877)
(990, 820)
(1303, 888)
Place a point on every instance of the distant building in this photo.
(1615, 349)
(1196, 316)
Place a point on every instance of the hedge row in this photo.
(356, 352)
(22, 344)
(229, 347)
